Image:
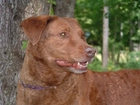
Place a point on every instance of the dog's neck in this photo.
(36, 73)
(35, 87)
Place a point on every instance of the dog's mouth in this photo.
(82, 66)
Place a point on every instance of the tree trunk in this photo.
(11, 55)
(64, 9)
(105, 37)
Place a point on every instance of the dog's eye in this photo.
(63, 34)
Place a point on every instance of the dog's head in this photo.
(59, 42)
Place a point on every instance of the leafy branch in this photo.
(51, 2)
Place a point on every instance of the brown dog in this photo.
(55, 71)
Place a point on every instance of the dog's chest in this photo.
(59, 96)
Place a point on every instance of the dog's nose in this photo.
(90, 51)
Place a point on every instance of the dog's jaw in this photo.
(77, 71)
(75, 67)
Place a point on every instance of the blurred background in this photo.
(121, 18)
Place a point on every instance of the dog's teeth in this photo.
(86, 63)
(79, 64)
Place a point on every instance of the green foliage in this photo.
(136, 38)
(24, 44)
(133, 60)
(124, 29)
(122, 13)
(96, 65)
(51, 2)
(88, 12)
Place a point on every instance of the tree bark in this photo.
(11, 55)
(64, 9)
(105, 37)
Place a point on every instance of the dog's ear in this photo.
(34, 26)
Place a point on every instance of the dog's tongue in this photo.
(76, 65)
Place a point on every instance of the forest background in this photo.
(123, 35)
